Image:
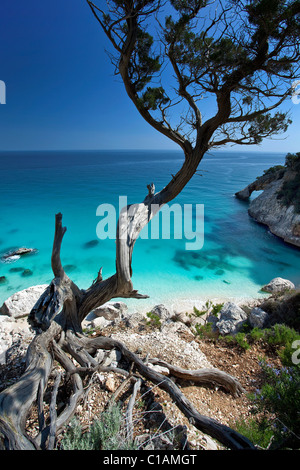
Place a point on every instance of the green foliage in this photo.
(154, 320)
(290, 193)
(239, 339)
(280, 395)
(266, 123)
(275, 169)
(280, 335)
(199, 313)
(145, 63)
(153, 98)
(104, 434)
(256, 334)
(259, 432)
(205, 331)
(283, 337)
(292, 160)
(216, 309)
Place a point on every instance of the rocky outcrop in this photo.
(232, 318)
(260, 184)
(283, 220)
(278, 285)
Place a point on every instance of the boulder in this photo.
(232, 318)
(111, 310)
(21, 303)
(278, 285)
(258, 318)
(162, 312)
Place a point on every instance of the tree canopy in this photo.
(179, 58)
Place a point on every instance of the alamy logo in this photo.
(188, 223)
(296, 354)
(2, 92)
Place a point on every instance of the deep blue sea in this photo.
(238, 255)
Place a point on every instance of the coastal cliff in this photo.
(278, 206)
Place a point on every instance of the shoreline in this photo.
(28, 296)
(187, 304)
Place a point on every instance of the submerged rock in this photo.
(91, 244)
(27, 272)
(16, 270)
(3, 280)
(15, 254)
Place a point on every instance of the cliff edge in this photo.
(278, 206)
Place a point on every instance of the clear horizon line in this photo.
(138, 150)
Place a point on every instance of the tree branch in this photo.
(57, 268)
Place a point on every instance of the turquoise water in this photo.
(238, 255)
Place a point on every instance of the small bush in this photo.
(105, 434)
(216, 309)
(283, 337)
(154, 320)
(205, 331)
(280, 395)
(259, 432)
(256, 334)
(199, 313)
(241, 340)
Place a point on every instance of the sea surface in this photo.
(230, 256)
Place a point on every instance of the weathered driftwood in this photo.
(204, 376)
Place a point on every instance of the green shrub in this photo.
(154, 320)
(274, 169)
(216, 309)
(256, 334)
(290, 190)
(280, 396)
(199, 313)
(290, 193)
(205, 331)
(105, 433)
(278, 335)
(292, 160)
(259, 432)
(241, 340)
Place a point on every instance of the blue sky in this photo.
(61, 92)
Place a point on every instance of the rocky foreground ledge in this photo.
(14, 328)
